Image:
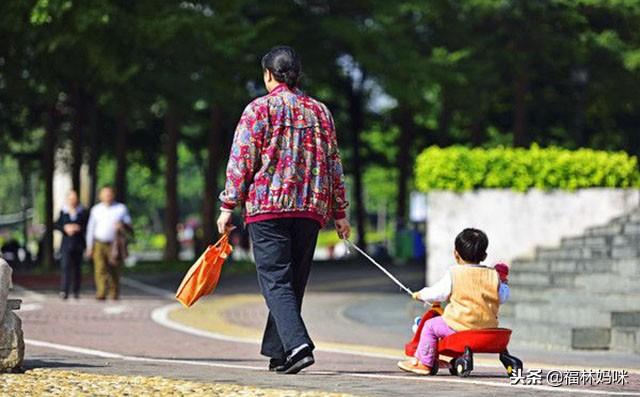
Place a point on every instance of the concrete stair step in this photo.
(547, 335)
(625, 331)
(612, 302)
(573, 253)
(557, 313)
(544, 280)
(508, 308)
(622, 219)
(533, 279)
(613, 251)
(605, 283)
(630, 217)
(578, 266)
(586, 241)
(626, 251)
(631, 227)
(607, 230)
(524, 293)
(625, 339)
(529, 265)
(625, 239)
(594, 282)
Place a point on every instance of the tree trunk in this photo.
(121, 158)
(76, 138)
(477, 133)
(520, 111)
(404, 163)
(48, 166)
(93, 153)
(356, 109)
(214, 157)
(445, 116)
(171, 186)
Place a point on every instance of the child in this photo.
(474, 292)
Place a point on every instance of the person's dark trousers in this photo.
(283, 251)
(71, 269)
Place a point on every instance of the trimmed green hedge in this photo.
(459, 168)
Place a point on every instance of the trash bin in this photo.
(404, 244)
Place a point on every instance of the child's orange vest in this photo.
(474, 299)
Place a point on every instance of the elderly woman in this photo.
(285, 170)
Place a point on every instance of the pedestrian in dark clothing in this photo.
(72, 223)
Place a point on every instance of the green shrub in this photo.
(459, 168)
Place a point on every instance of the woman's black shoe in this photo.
(276, 363)
(297, 362)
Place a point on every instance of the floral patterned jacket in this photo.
(285, 161)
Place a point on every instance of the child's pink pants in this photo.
(434, 329)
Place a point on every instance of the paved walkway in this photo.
(358, 319)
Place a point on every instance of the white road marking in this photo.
(119, 309)
(497, 384)
(103, 354)
(73, 349)
(536, 388)
(30, 307)
(150, 289)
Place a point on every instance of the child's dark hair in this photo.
(283, 62)
(471, 244)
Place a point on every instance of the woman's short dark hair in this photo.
(283, 62)
(471, 245)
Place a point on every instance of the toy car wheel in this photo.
(511, 363)
(464, 364)
(452, 367)
(461, 370)
(435, 368)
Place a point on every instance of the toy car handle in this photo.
(435, 306)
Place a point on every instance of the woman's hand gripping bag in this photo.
(203, 276)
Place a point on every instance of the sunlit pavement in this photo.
(358, 320)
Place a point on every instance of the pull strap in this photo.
(379, 266)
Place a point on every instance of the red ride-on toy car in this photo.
(461, 346)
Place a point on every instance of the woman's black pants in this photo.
(283, 250)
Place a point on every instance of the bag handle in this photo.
(224, 239)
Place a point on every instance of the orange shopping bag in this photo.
(202, 278)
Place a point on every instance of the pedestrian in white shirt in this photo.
(108, 218)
